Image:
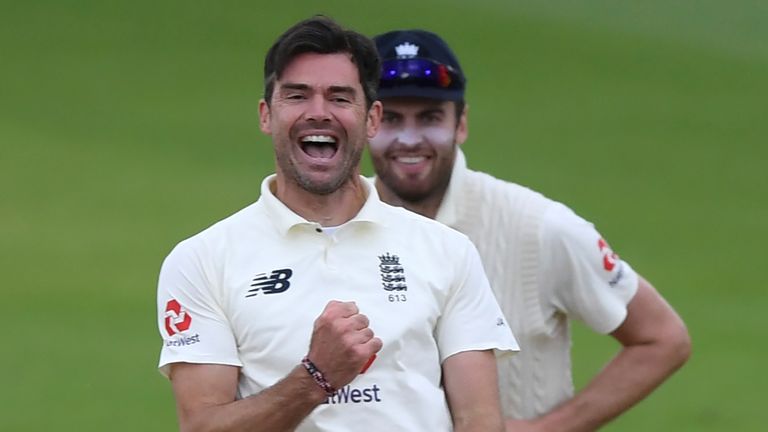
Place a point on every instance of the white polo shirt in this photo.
(246, 292)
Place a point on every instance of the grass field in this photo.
(127, 126)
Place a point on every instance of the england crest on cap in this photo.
(407, 49)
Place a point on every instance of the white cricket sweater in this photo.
(545, 265)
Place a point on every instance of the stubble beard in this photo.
(418, 191)
(310, 184)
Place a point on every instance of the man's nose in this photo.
(409, 136)
(318, 109)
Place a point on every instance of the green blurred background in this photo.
(128, 126)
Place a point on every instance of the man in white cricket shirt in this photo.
(546, 265)
(319, 307)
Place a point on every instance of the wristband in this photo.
(318, 376)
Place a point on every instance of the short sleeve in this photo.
(580, 274)
(190, 321)
(472, 319)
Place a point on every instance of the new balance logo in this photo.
(275, 283)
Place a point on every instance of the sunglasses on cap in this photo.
(419, 71)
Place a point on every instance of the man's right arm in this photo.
(206, 394)
(206, 400)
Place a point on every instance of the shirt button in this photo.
(318, 230)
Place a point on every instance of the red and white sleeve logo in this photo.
(177, 319)
(609, 256)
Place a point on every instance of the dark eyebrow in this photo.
(335, 89)
(391, 112)
(294, 86)
(342, 89)
(430, 111)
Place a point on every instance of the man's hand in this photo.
(342, 343)
(205, 394)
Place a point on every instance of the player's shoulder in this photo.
(556, 217)
(502, 193)
(561, 220)
(417, 225)
(563, 233)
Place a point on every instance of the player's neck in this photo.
(333, 209)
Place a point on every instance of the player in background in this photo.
(547, 265)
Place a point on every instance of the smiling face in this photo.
(414, 150)
(318, 121)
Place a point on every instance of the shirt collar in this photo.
(447, 214)
(283, 218)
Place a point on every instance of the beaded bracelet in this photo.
(318, 377)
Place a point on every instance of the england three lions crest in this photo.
(392, 275)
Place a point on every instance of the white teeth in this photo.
(410, 159)
(319, 138)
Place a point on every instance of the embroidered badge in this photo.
(392, 274)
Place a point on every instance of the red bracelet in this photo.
(318, 376)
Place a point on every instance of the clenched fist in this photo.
(342, 343)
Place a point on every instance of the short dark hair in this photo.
(322, 35)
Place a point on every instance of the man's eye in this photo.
(340, 99)
(389, 119)
(294, 96)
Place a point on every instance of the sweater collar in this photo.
(447, 214)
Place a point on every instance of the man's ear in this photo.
(265, 117)
(374, 119)
(462, 127)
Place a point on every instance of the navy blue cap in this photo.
(418, 63)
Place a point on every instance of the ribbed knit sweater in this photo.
(502, 216)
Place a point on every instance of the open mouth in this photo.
(319, 146)
(411, 165)
(410, 160)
